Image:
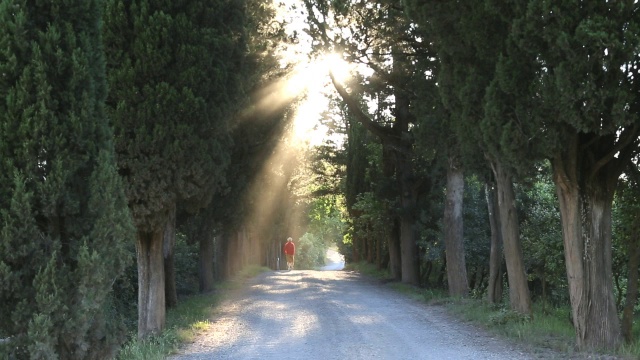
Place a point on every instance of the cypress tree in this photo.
(63, 214)
(174, 70)
(470, 38)
(584, 100)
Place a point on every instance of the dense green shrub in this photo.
(310, 251)
(64, 221)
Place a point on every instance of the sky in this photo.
(311, 76)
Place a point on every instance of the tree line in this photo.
(530, 107)
(490, 138)
(123, 123)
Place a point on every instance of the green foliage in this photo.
(430, 229)
(550, 329)
(541, 235)
(625, 228)
(358, 161)
(373, 219)
(435, 296)
(175, 76)
(310, 251)
(327, 221)
(477, 233)
(185, 321)
(125, 290)
(368, 269)
(153, 348)
(256, 130)
(63, 214)
(506, 316)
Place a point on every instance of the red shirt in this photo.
(289, 248)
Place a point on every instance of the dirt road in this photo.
(322, 315)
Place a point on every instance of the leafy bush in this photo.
(310, 252)
(505, 316)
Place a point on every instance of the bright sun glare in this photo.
(307, 87)
(311, 80)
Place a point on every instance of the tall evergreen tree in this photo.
(583, 99)
(358, 154)
(63, 214)
(174, 70)
(255, 132)
(255, 139)
(469, 38)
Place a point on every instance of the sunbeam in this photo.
(313, 82)
(275, 210)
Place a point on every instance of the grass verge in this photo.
(189, 318)
(369, 270)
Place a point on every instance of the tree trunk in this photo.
(472, 281)
(427, 274)
(480, 281)
(494, 291)
(355, 252)
(233, 258)
(151, 289)
(406, 178)
(569, 202)
(617, 282)
(409, 252)
(205, 263)
(206, 256)
(243, 254)
(171, 293)
(632, 286)
(408, 202)
(274, 256)
(443, 271)
(394, 252)
(519, 297)
(256, 249)
(379, 253)
(585, 206)
(603, 326)
(230, 243)
(453, 232)
(221, 266)
(541, 274)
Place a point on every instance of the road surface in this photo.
(322, 315)
(335, 261)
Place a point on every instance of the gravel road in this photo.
(323, 315)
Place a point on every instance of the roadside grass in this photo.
(631, 350)
(549, 329)
(368, 269)
(188, 319)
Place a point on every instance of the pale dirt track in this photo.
(320, 315)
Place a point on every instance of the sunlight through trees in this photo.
(149, 151)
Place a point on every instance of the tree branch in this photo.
(627, 137)
(385, 134)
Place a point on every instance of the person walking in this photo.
(290, 252)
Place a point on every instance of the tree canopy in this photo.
(471, 134)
